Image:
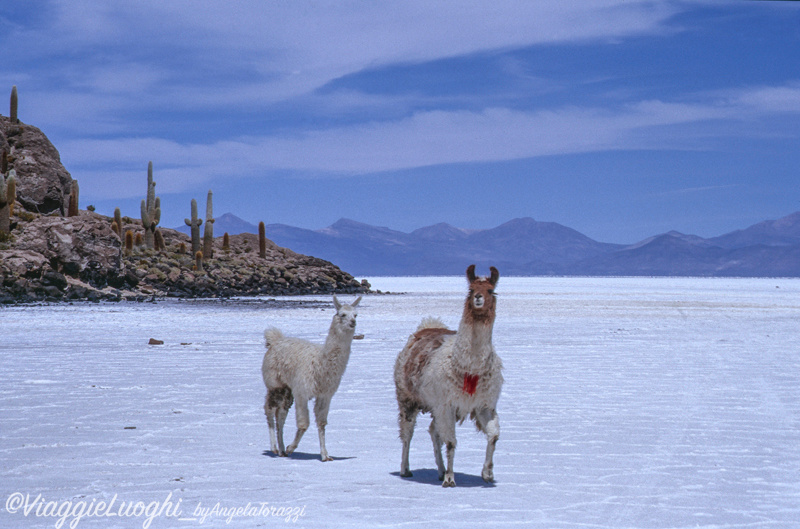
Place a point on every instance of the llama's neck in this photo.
(473, 344)
(336, 351)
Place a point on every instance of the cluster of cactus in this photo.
(151, 210)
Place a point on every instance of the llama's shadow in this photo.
(301, 456)
(430, 476)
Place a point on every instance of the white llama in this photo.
(300, 370)
(452, 375)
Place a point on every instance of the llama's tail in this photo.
(431, 323)
(272, 335)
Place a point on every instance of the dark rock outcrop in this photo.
(43, 184)
(49, 257)
(81, 258)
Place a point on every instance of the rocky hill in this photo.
(48, 256)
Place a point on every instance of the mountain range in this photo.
(528, 247)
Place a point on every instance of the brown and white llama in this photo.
(296, 369)
(452, 375)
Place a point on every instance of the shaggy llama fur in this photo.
(452, 375)
(296, 369)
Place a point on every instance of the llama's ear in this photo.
(336, 303)
(356, 302)
(471, 273)
(495, 276)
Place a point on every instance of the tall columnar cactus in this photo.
(194, 224)
(160, 244)
(198, 262)
(11, 191)
(5, 201)
(262, 240)
(14, 103)
(72, 210)
(151, 210)
(118, 221)
(128, 242)
(208, 234)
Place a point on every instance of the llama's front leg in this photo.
(446, 432)
(321, 406)
(489, 424)
(301, 411)
(437, 449)
(407, 421)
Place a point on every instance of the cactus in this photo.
(262, 240)
(151, 210)
(118, 221)
(208, 233)
(14, 103)
(128, 242)
(11, 191)
(195, 225)
(137, 240)
(72, 210)
(182, 248)
(226, 242)
(5, 208)
(198, 262)
(160, 245)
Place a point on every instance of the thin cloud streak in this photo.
(289, 49)
(429, 138)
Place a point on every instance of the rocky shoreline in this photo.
(57, 258)
(48, 255)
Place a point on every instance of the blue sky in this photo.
(619, 118)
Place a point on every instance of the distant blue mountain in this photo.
(528, 247)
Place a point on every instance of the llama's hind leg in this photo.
(276, 407)
(321, 407)
(270, 412)
(301, 411)
(407, 420)
(488, 422)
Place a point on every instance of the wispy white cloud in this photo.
(432, 138)
(428, 138)
(769, 99)
(288, 49)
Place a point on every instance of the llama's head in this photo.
(480, 305)
(345, 318)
